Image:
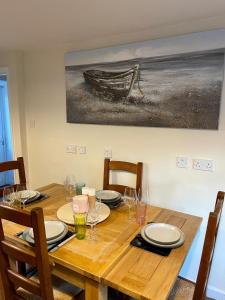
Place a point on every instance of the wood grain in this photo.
(14, 165)
(110, 260)
(114, 165)
(145, 275)
(37, 255)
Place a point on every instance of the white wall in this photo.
(185, 190)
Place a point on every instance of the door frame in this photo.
(8, 177)
(4, 71)
(14, 110)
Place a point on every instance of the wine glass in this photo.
(70, 185)
(143, 200)
(143, 194)
(8, 195)
(92, 221)
(21, 195)
(130, 199)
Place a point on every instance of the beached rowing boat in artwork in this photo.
(115, 85)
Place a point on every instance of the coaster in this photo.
(139, 242)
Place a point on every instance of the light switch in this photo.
(182, 162)
(71, 149)
(108, 153)
(82, 149)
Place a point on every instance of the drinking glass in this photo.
(8, 195)
(20, 196)
(141, 212)
(92, 221)
(80, 225)
(143, 194)
(143, 200)
(70, 186)
(130, 199)
(79, 186)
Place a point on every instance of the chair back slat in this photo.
(19, 252)
(14, 165)
(21, 281)
(36, 255)
(208, 249)
(121, 166)
(13, 215)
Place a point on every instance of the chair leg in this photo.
(80, 296)
(21, 268)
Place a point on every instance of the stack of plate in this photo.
(163, 235)
(28, 196)
(55, 231)
(110, 198)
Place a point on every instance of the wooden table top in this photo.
(110, 259)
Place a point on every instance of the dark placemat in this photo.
(36, 199)
(139, 242)
(68, 235)
(29, 271)
(51, 246)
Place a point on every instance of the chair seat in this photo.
(62, 290)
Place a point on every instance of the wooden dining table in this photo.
(110, 260)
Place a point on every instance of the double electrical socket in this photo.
(197, 163)
(76, 149)
(203, 164)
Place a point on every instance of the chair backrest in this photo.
(36, 256)
(14, 165)
(208, 249)
(121, 166)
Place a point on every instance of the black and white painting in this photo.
(176, 91)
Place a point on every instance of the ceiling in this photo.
(37, 24)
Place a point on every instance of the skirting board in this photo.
(215, 293)
(212, 292)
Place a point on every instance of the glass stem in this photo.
(129, 212)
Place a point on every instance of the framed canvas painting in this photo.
(176, 91)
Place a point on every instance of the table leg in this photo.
(95, 290)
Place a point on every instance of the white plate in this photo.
(25, 194)
(29, 239)
(175, 245)
(107, 195)
(28, 194)
(162, 233)
(53, 229)
(30, 200)
(119, 199)
(65, 213)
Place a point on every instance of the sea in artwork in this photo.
(179, 91)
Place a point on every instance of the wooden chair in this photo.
(186, 290)
(121, 166)
(14, 165)
(15, 285)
